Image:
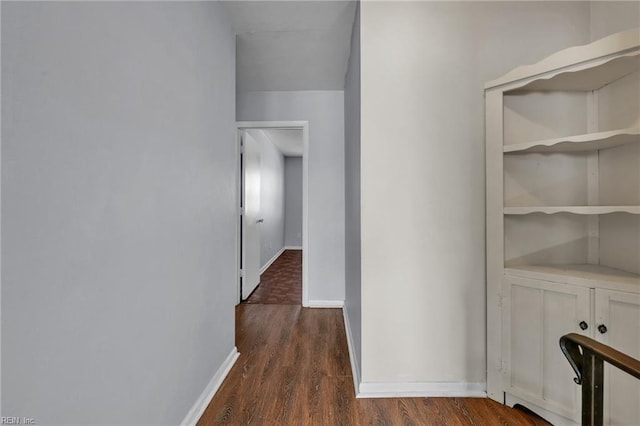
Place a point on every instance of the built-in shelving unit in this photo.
(563, 222)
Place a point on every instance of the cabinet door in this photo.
(536, 314)
(619, 312)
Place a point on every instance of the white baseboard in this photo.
(325, 303)
(421, 389)
(273, 259)
(293, 247)
(201, 404)
(407, 389)
(355, 371)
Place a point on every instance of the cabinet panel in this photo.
(561, 312)
(620, 313)
(525, 339)
(537, 314)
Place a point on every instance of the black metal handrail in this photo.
(587, 358)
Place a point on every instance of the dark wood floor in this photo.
(294, 369)
(281, 283)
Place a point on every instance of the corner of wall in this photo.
(355, 372)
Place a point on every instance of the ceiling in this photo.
(291, 45)
(288, 141)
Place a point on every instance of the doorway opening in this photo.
(253, 259)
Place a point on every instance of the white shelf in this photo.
(582, 68)
(582, 274)
(593, 210)
(591, 78)
(586, 142)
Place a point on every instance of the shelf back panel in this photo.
(535, 116)
(619, 176)
(619, 104)
(546, 179)
(620, 241)
(540, 239)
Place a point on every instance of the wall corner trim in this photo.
(355, 372)
(273, 259)
(421, 389)
(325, 304)
(207, 394)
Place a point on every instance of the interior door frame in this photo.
(301, 125)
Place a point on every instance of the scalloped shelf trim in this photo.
(606, 49)
(586, 142)
(584, 77)
(587, 210)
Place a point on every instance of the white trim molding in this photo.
(325, 304)
(355, 371)
(293, 247)
(273, 259)
(421, 389)
(207, 394)
(406, 389)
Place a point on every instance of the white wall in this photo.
(324, 111)
(293, 202)
(118, 209)
(608, 17)
(353, 282)
(424, 65)
(271, 197)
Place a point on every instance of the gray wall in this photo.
(118, 208)
(353, 282)
(325, 112)
(293, 202)
(271, 198)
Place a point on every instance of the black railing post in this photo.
(592, 389)
(587, 358)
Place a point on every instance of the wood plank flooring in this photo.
(294, 369)
(281, 283)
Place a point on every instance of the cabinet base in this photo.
(552, 418)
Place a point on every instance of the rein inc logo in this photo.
(17, 421)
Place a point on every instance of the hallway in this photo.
(294, 370)
(281, 283)
(434, 152)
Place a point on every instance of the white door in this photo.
(251, 215)
(536, 314)
(618, 325)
